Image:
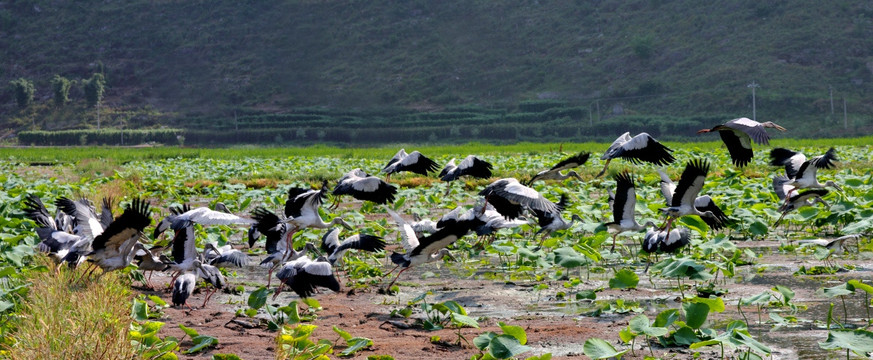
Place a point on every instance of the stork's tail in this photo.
(399, 259)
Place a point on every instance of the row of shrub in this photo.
(515, 128)
(101, 137)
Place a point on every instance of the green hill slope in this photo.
(168, 61)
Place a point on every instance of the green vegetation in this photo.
(180, 64)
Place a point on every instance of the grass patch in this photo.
(62, 321)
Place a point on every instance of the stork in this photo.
(802, 172)
(365, 187)
(555, 172)
(429, 248)
(834, 246)
(640, 148)
(113, 248)
(87, 223)
(224, 256)
(794, 201)
(413, 162)
(211, 275)
(738, 134)
(278, 238)
(152, 260)
(623, 206)
(303, 275)
(510, 198)
(683, 199)
(470, 166)
(183, 287)
(335, 249)
(200, 215)
(54, 240)
(551, 222)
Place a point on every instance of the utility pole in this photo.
(831, 91)
(754, 86)
(845, 116)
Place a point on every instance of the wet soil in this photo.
(553, 325)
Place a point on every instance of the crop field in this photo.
(749, 291)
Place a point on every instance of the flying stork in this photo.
(623, 205)
(642, 147)
(365, 187)
(683, 199)
(802, 172)
(200, 215)
(335, 249)
(551, 222)
(834, 246)
(429, 248)
(555, 172)
(795, 200)
(470, 166)
(55, 239)
(510, 198)
(278, 240)
(114, 248)
(413, 162)
(738, 135)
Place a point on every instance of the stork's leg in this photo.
(397, 277)
(270, 275)
(776, 224)
(604, 168)
(667, 225)
(612, 249)
(386, 274)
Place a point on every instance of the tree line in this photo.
(94, 87)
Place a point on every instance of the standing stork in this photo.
(429, 248)
(510, 198)
(834, 246)
(683, 199)
(802, 172)
(555, 172)
(551, 222)
(211, 275)
(183, 287)
(303, 275)
(738, 135)
(795, 200)
(335, 249)
(365, 187)
(152, 260)
(114, 248)
(623, 205)
(413, 162)
(642, 147)
(224, 256)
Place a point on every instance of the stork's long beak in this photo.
(345, 224)
(838, 187)
(604, 168)
(450, 256)
(701, 131)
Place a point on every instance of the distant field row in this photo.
(124, 154)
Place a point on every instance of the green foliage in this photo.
(624, 279)
(61, 90)
(643, 46)
(353, 343)
(94, 88)
(22, 90)
(600, 349)
(294, 343)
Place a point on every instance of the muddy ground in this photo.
(553, 325)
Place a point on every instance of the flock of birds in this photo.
(77, 234)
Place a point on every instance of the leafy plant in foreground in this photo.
(501, 346)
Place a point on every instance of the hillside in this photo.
(166, 62)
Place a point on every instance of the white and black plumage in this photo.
(738, 135)
(802, 172)
(53, 240)
(623, 205)
(510, 198)
(303, 275)
(684, 199)
(183, 287)
(200, 215)
(551, 222)
(301, 209)
(492, 222)
(834, 246)
(642, 147)
(114, 248)
(795, 200)
(413, 162)
(224, 256)
(662, 241)
(278, 240)
(423, 226)
(184, 251)
(151, 260)
(555, 172)
(87, 223)
(211, 275)
(470, 166)
(335, 249)
(365, 187)
(429, 248)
